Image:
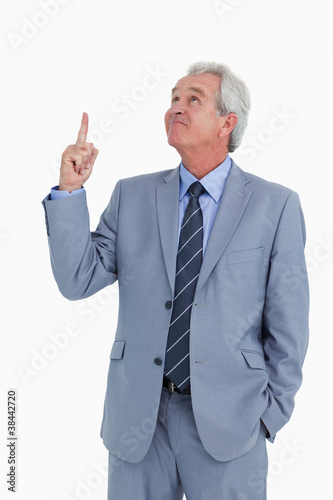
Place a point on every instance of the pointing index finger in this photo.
(82, 135)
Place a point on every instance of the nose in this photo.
(177, 108)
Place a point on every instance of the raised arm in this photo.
(82, 262)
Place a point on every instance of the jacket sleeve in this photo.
(285, 318)
(82, 262)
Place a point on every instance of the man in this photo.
(213, 301)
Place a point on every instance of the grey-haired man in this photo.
(213, 321)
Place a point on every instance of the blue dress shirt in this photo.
(214, 183)
(59, 195)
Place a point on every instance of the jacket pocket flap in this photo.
(249, 255)
(255, 359)
(117, 349)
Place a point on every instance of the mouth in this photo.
(177, 122)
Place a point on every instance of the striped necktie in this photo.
(189, 260)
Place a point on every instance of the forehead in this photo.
(205, 83)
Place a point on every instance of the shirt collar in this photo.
(213, 182)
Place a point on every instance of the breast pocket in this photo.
(117, 350)
(242, 256)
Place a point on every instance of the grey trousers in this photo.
(177, 463)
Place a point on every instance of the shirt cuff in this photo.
(59, 195)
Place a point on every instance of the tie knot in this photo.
(196, 189)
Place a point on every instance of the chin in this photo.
(174, 141)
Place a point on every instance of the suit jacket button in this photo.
(158, 361)
(168, 304)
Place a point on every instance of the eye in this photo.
(175, 99)
(194, 98)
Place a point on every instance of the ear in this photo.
(228, 123)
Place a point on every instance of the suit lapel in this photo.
(233, 203)
(167, 198)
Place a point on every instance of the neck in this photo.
(201, 165)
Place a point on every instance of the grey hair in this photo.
(233, 97)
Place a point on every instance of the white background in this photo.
(84, 56)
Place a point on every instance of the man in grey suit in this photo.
(213, 301)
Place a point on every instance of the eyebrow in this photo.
(194, 89)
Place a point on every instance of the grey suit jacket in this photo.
(249, 324)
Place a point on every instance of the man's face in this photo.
(191, 122)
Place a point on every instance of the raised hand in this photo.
(77, 160)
